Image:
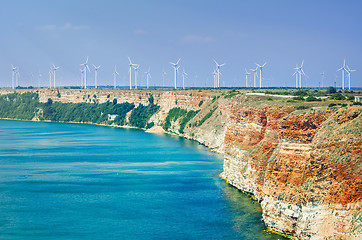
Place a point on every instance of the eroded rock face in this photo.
(306, 172)
(303, 166)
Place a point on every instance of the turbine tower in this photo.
(260, 72)
(13, 75)
(131, 65)
(175, 67)
(343, 69)
(96, 75)
(218, 66)
(298, 75)
(135, 67)
(184, 74)
(148, 75)
(54, 69)
(255, 74)
(115, 73)
(349, 76)
(246, 77)
(85, 65)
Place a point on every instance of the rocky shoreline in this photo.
(303, 166)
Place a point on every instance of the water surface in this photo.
(72, 181)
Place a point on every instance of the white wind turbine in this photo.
(85, 66)
(54, 69)
(176, 67)
(343, 69)
(115, 73)
(96, 75)
(349, 76)
(260, 72)
(299, 72)
(148, 76)
(136, 68)
(218, 66)
(13, 75)
(184, 75)
(246, 77)
(131, 65)
(255, 74)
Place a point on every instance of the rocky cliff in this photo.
(303, 166)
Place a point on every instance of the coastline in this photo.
(265, 147)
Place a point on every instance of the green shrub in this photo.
(299, 98)
(337, 96)
(331, 90)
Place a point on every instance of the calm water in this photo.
(69, 181)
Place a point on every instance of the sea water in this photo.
(73, 181)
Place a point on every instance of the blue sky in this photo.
(36, 33)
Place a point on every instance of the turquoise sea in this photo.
(73, 181)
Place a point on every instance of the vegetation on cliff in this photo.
(176, 113)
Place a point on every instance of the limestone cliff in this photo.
(304, 166)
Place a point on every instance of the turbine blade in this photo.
(178, 60)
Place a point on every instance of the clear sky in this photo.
(36, 33)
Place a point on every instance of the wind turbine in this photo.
(85, 65)
(184, 74)
(13, 75)
(298, 75)
(246, 77)
(343, 69)
(255, 74)
(131, 65)
(260, 72)
(54, 69)
(135, 67)
(115, 73)
(148, 75)
(96, 75)
(176, 67)
(218, 66)
(349, 76)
